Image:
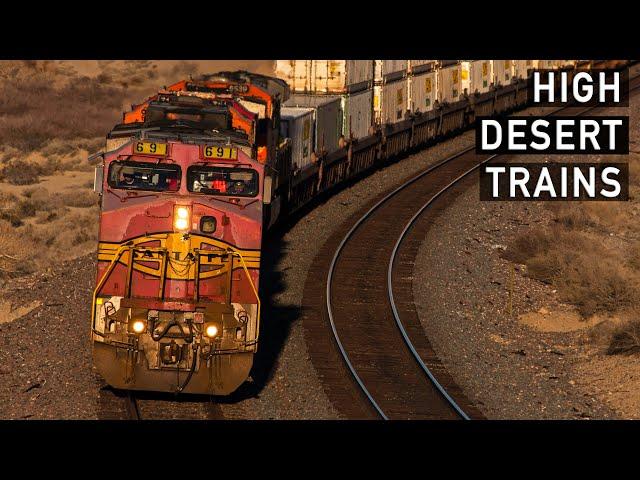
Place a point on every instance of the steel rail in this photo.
(334, 260)
(131, 405)
(399, 323)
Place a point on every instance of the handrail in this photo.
(132, 249)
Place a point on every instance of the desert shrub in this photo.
(603, 285)
(25, 208)
(7, 212)
(633, 258)
(36, 108)
(80, 198)
(19, 172)
(625, 338)
(587, 275)
(81, 236)
(529, 245)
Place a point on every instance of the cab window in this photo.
(144, 176)
(232, 182)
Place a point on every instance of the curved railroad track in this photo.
(377, 362)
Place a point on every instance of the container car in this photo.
(422, 85)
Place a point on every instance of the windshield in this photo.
(223, 181)
(145, 176)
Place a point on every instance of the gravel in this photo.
(469, 300)
(46, 354)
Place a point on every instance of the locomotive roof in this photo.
(182, 131)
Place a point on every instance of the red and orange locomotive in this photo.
(186, 184)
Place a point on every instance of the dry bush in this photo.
(7, 212)
(43, 200)
(19, 172)
(126, 73)
(587, 275)
(20, 255)
(36, 106)
(80, 198)
(633, 259)
(529, 245)
(575, 217)
(598, 284)
(612, 216)
(625, 338)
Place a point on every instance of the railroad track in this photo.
(130, 405)
(378, 362)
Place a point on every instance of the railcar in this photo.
(176, 305)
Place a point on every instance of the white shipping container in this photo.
(521, 68)
(476, 76)
(357, 109)
(390, 101)
(548, 64)
(389, 67)
(325, 76)
(422, 91)
(450, 83)
(327, 118)
(414, 65)
(297, 73)
(502, 72)
(297, 124)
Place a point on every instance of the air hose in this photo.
(195, 348)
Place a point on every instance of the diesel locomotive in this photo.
(184, 183)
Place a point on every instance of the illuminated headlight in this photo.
(137, 326)
(181, 218)
(211, 330)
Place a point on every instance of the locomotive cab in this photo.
(176, 304)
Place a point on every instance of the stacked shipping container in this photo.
(521, 68)
(390, 96)
(347, 97)
(327, 119)
(422, 85)
(502, 72)
(296, 124)
(476, 76)
(351, 80)
(449, 81)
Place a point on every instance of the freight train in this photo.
(189, 181)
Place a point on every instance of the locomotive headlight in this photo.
(181, 218)
(137, 326)
(211, 330)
